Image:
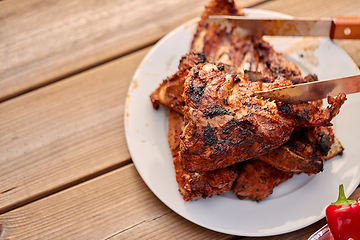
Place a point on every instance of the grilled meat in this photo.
(225, 125)
(303, 153)
(272, 63)
(207, 35)
(257, 180)
(169, 93)
(306, 151)
(196, 185)
(237, 53)
(226, 44)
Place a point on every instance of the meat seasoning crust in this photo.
(223, 139)
(225, 125)
(196, 185)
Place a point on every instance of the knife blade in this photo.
(323, 233)
(342, 27)
(313, 90)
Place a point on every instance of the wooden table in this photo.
(65, 67)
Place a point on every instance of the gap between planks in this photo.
(136, 225)
(61, 188)
(118, 156)
(116, 205)
(27, 85)
(73, 73)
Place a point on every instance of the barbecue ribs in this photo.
(254, 179)
(195, 185)
(306, 151)
(220, 137)
(226, 44)
(237, 53)
(225, 125)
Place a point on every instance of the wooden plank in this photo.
(62, 133)
(46, 40)
(321, 8)
(318, 8)
(117, 205)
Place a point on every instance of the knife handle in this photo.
(345, 28)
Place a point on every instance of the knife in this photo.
(313, 90)
(323, 233)
(335, 27)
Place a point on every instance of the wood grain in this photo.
(42, 41)
(66, 172)
(64, 132)
(318, 8)
(117, 205)
(321, 8)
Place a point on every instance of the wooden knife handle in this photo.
(345, 28)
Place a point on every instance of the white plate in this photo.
(294, 204)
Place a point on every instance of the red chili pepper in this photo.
(343, 217)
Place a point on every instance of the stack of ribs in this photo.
(221, 137)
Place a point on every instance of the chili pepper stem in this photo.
(342, 200)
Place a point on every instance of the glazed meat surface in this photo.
(212, 43)
(225, 125)
(207, 33)
(226, 44)
(169, 93)
(220, 137)
(306, 151)
(257, 180)
(196, 185)
(263, 173)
